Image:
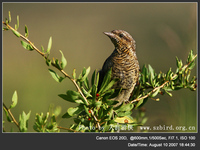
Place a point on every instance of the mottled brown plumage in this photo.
(124, 64)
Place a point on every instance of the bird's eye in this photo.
(121, 35)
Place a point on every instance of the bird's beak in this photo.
(109, 34)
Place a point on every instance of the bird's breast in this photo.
(125, 68)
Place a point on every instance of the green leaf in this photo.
(159, 75)
(169, 72)
(115, 93)
(66, 115)
(61, 78)
(106, 80)
(49, 45)
(27, 46)
(167, 88)
(148, 84)
(192, 87)
(6, 28)
(74, 111)
(86, 93)
(105, 114)
(48, 62)
(45, 118)
(110, 85)
(63, 60)
(74, 74)
(151, 71)
(53, 119)
(156, 84)
(39, 119)
(193, 79)
(86, 110)
(14, 100)
(110, 113)
(16, 33)
(108, 128)
(57, 64)
(125, 107)
(85, 72)
(7, 22)
(66, 97)
(17, 22)
(42, 48)
(190, 56)
(124, 113)
(94, 91)
(55, 76)
(178, 87)
(80, 76)
(93, 77)
(179, 63)
(175, 77)
(155, 93)
(71, 96)
(86, 83)
(15, 27)
(125, 119)
(139, 103)
(100, 113)
(23, 121)
(111, 102)
(26, 31)
(170, 94)
(191, 65)
(98, 104)
(144, 74)
(144, 120)
(9, 19)
(57, 111)
(7, 115)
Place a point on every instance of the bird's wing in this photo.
(106, 67)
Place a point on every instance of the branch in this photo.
(59, 127)
(161, 86)
(23, 37)
(11, 115)
(62, 71)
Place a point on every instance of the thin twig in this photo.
(63, 72)
(11, 115)
(23, 37)
(59, 127)
(159, 87)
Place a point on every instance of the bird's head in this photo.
(122, 40)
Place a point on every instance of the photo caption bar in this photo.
(140, 141)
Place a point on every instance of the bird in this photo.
(124, 64)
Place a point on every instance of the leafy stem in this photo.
(161, 86)
(11, 115)
(53, 63)
(26, 39)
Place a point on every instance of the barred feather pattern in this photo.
(124, 63)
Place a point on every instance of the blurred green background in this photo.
(161, 30)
